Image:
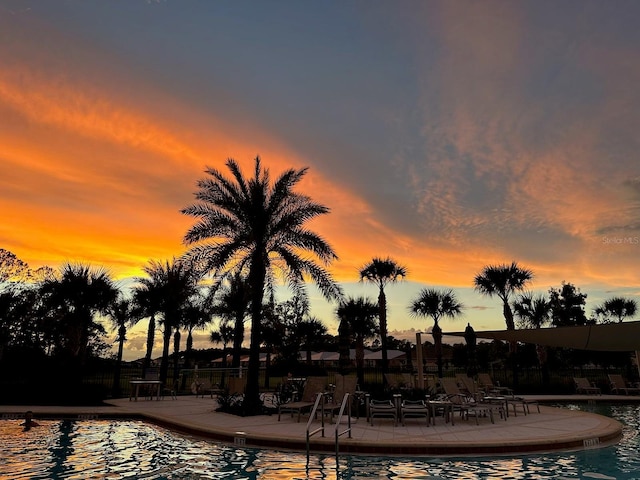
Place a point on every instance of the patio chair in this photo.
(584, 386)
(312, 387)
(619, 384)
(383, 408)
(414, 409)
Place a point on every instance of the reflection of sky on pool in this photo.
(117, 449)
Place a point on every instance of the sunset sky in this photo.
(447, 135)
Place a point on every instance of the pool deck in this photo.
(550, 429)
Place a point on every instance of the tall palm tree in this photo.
(436, 304)
(122, 314)
(256, 226)
(382, 272)
(503, 281)
(147, 297)
(196, 316)
(176, 282)
(359, 315)
(618, 308)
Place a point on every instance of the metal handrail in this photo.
(319, 402)
(346, 403)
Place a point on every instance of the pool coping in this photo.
(554, 429)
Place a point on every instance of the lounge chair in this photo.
(469, 386)
(343, 384)
(414, 409)
(584, 386)
(486, 383)
(312, 387)
(383, 408)
(618, 384)
(399, 381)
(468, 405)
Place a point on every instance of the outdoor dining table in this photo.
(445, 405)
(138, 382)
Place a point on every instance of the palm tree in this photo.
(224, 335)
(175, 282)
(502, 281)
(382, 272)
(232, 305)
(195, 316)
(75, 297)
(310, 331)
(147, 297)
(436, 304)
(122, 314)
(618, 308)
(535, 312)
(359, 316)
(257, 227)
(532, 311)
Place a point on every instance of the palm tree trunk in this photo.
(382, 303)
(360, 359)
(238, 336)
(257, 275)
(513, 346)
(115, 391)
(151, 333)
(166, 341)
(176, 353)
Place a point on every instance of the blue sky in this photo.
(447, 135)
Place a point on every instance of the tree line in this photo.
(248, 232)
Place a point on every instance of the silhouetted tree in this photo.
(175, 282)
(567, 306)
(382, 272)
(503, 281)
(72, 300)
(436, 304)
(122, 315)
(359, 315)
(258, 226)
(615, 309)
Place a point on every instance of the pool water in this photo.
(119, 449)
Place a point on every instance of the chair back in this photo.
(468, 384)
(485, 381)
(152, 373)
(344, 384)
(450, 386)
(617, 380)
(582, 382)
(237, 385)
(312, 387)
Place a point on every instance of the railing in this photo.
(346, 403)
(319, 402)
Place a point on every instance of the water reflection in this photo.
(133, 449)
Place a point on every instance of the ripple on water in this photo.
(114, 450)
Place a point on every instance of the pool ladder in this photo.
(319, 403)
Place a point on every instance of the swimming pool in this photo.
(119, 449)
